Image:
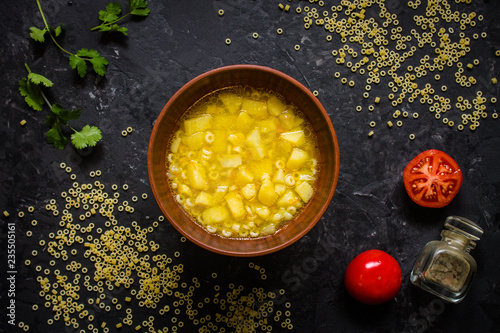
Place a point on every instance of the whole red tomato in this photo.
(432, 179)
(373, 277)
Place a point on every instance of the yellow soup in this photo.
(243, 163)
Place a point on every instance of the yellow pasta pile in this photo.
(93, 266)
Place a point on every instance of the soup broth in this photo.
(243, 163)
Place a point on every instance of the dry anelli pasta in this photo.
(86, 268)
(376, 47)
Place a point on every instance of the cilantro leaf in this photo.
(64, 115)
(32, 94)
(88, 136)
(57, 109)
(117, 28)
(73, 114)
(112, 12)
(37, 34)
(87, 53)
(39, 79)
(57, 31)
(51, 120)
(55, 137)
(98, 62)
(79, 64)
(138, 7)
(103, 27)
(111, 15)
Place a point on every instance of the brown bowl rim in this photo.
(321, 211)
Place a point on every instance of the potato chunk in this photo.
(267, 195)
(298, 121)
(244, 176)
(296, 138)
(280, 188)
(236, 139)
(215, 215)
(275, 106)
(305, 191)
(219, 145)
(254, 144)
(224, 121)
(255, 108)
(219, 194)
(195, 141)
(230, 160)
(244, 121)
(262, 168)
(197, 124)
(287, 120)
(249, 191)
(297, 158)
(185, 190)
(269, 229)
(203, 199)
(267, 126)
(174, 146)
(263, 212)
(279, 176)
(235, 204)
(213, 109)
(284, 147)
(288, 199)
(197, 176)
(231, 101)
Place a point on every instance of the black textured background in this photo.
(370, 209)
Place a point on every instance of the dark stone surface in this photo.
(370, 209)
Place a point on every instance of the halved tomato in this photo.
(432, 179)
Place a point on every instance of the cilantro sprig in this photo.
(30, 88)
(77, 60)
(112, 13)
(39, 34)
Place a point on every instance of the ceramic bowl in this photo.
(258, 77)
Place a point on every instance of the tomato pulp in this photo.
(432, 179)
(373, 277)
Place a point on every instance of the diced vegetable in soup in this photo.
(243, 163)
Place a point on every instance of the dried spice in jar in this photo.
(445, 268)
(449, 271)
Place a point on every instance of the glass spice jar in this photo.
(445, 268)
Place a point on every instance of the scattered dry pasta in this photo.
(374, 45)
(124, 256)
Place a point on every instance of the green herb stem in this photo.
(41, 92)
(46, 100)
(48, 29)
(110, 23)
(74, 130)
(27, 68)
